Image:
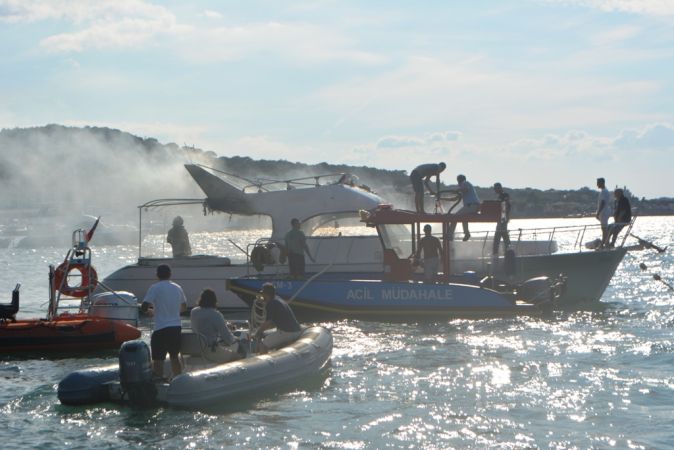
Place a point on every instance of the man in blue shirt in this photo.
(471, 203)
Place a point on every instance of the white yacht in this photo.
(316, 201)
(337, 199)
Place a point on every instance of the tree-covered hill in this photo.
(82, 166)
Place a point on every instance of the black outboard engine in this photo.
(8, 312)
(537, 291)
(135, 373)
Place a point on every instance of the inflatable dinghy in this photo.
(202, 384)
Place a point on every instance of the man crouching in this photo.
(279, 315)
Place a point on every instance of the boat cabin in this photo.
(400, 231)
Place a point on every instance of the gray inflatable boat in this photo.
(203, 384)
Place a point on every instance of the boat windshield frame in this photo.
(397, 261)
(165, 202)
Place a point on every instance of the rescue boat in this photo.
(76, 320)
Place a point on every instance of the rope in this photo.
(258, 315)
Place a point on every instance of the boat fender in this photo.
(536, 291)
(88, 282)
(509, 266)
(135, 373)
(259, 257)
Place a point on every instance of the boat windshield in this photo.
(397, 238)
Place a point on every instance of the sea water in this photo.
(601, 379)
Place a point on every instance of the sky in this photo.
(531, 93)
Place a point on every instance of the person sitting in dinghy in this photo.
(221, 345)
(279, 315)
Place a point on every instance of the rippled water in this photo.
(583, 380)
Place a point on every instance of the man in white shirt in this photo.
(166, 300)
(604, 210)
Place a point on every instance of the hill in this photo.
(95, 169)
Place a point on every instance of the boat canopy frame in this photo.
(398, 267)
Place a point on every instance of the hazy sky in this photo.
(540, 93)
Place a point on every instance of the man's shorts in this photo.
(279, 338)
(166, 340)
(417, 181)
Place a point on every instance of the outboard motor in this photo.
(536, 291)
(8, 312)
(135, 373)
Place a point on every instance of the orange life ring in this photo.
(89, 279)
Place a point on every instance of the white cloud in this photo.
(616, 35)
(659, 136)
(647, 7)
(212, 14)
(77, 10)
(124, 33)
(455, 91)
(582, 145)
(432, 140)
(104, 23)
(300, 42)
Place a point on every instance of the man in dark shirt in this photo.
(432, 250)
(502, 225)
(420, 177)
(622, 215)
(296, 244)
(280, 316)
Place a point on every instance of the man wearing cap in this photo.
(502, 225)
(179, 239)
(432, 251)
(471, 203)
(420, 177)
(603, 208)
(280, 316)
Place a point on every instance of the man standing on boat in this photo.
(471, 203)
(502, 225)
(622, 215)
(178, 238)
(420, 177)
(279, 316)
(432, 251)
(603, 208)
(296, 244)
(166, 300)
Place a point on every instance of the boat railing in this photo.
(538, 241)
(267, 184)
